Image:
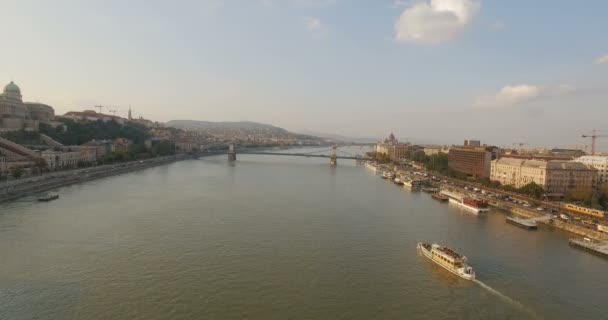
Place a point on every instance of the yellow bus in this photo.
(586, 211)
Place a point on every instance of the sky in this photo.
(432, 71)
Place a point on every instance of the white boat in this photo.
(413, 185)
(448, 259)
(388, 175)
(564, 216)
(397, 181)
(471, 204)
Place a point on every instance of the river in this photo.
(274, 237)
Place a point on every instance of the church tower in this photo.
(130, 117)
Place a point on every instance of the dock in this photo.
(529, 224)
(598, 247)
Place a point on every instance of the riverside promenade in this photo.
(11, 190)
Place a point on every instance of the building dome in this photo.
(12, 88)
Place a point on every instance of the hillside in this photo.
(236, 128)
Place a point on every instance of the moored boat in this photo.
(448, 259)
(439, 197)
(470, 204)
(49, 197)
(388, 175)
(412, 185)
(398, 181)
(475, 205)
(522, 223)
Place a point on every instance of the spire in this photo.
(130, 118)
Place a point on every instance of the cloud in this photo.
(602, 60)
(435, 21)
(513, 95)
(314, 24)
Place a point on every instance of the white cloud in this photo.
(512, 95)
(602, 60)
(314, 24)
(435, 21)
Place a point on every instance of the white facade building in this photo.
(598, 162)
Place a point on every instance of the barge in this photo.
(522, 223)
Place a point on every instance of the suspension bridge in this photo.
(333, 154)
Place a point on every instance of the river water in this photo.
(273, 237)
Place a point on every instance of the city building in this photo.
(472, 143)
(41, 112)
(185, 145)
(69, 158)
(571, 153)
(122, 145)
(92, 115)
(17, 115)
(600, 163)
(393, 149)
(102, 148)
(473, 161)
(431, 150)
(557, 177)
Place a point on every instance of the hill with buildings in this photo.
(241, 128)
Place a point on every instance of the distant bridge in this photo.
(332, 156)
(307, 155)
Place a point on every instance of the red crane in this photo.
(594, 137)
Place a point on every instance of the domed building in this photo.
(17, 115)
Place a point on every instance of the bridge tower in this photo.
(333, 160)
(231, 152)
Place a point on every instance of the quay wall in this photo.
(581, 231)
(79, 178)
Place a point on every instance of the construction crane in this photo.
(113, 112)
(520, 144)
(594, 137)
(100, 108)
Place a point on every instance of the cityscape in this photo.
(304, 159)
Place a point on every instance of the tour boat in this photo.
(413, 185)
(49, 197)
(448, 259)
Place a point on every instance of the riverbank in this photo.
(65, 178)
(511, 208)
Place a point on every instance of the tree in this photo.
(584, 195)
(533, 190)
(17, 172)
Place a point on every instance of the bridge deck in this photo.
(308, 155)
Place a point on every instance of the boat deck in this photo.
(524, 223)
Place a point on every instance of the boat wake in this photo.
(506, 298)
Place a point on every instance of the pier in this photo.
(598, 247)
(529, 224)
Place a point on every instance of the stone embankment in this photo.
(567, 226)
(79, 176)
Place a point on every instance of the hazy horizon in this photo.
(436, 71)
